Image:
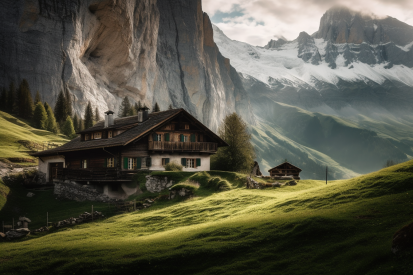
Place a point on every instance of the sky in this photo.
(258, 21)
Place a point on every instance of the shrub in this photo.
(173, 166)
(189, 185)
(219, 184)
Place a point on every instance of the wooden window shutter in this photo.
(155, 137)
(193, 138)
(182, 138)
(167, 137)
(125, 163)
(138, 163)
(183, 162)
(198, 162)
(105, 164)
(148, 162)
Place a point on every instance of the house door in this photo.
(53, 167)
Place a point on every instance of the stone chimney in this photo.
(143, 114)
(109, 119)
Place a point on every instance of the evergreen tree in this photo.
(11, 105)
(25, 100)
(239, 155)
(51, 124)
(76, 123)
(97, 115)
(156, 109)
(136, 107)
(68, 104)
(89, 116)
(3, 99)
(81, 124)
(68, 128)
(139, 105)
(40, 117)
(125, 108)
(60, 108)
(170, 107)
(37, 98)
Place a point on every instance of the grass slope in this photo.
(345, 227)
(15, 130)
(4, 191)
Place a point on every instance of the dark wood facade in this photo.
(285, 169)
(114, 161)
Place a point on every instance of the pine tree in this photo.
(51, 124)
(25, 100)
(76, 123)
(11, 105)
(170, 107)
(136, 107)
(60, 108)
(156, 109)
(97, 115)
(239, 155)
(40, 117)
(68, 104)
(68, 128)
(125, 108)
(3, 99)
(37, 98)
(89, 116)
(82, 124)
(139, 105)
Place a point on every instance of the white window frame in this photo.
(185, 138)
(84, 163)
(110, 162)
(132, 163)
(110, 134)
(190, 163)
(97, 135)
(158, 137)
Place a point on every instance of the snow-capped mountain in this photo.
(347, 90)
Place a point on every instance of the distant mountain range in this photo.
(344, 91)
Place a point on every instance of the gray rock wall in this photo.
(77, 192)
(102, 50)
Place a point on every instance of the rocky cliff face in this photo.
(102, 50)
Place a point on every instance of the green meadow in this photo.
(20, 130)
(345, 227)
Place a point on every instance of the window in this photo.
(165, 161)
(84, 163)
(110, 134)
(186, 126)
(110, 162)
(87, 137)
(158, 137)
(97, 135)
(184, 138)
(190, 163)
(131, 163)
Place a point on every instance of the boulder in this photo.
(291, 183)
(30, 194)
(403, 239)
(17, 233)
(2, 235)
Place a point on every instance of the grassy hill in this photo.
(14, 129)
(345, 227)
(4, 191)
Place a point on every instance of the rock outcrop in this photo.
(156, 184)
(102, 50)
(403, 239)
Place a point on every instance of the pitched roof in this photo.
(283, 164)
(138, 130)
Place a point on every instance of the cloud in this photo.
(258, 21)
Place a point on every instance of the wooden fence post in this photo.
(3, 227)
(92, 212)
(134, 205)
(13, 224)
(47, 219)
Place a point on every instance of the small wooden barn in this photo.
(285, 169)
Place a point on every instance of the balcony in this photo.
(210, 147)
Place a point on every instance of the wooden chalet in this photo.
(114, 150)
(285, 169)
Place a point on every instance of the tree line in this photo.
(127, 109)
(60, 120)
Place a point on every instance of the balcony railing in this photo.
(183, 146)
(94, 174)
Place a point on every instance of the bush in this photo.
(189, 185)
(173, 166)
(218, 183)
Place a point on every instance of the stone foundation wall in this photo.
(156, 184)
(76, 192)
